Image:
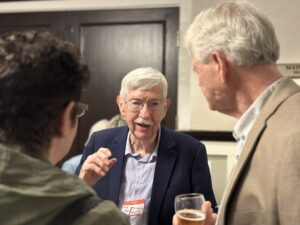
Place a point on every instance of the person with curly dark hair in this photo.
(41, 80)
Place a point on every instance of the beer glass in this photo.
(188, 209)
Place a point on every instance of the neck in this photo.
(50, 154)
(142, 147)
(253, 82)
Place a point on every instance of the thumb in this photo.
(175, 220)
(206, 207)
(210, 218)
(112, 161)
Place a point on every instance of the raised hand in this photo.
(96, 166)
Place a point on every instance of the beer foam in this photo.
(191, 214)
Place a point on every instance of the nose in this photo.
(145, 111)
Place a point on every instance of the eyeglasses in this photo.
(80, 109)
(136, 105)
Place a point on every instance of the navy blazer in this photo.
(181, 167)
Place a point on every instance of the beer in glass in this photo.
(188, 209)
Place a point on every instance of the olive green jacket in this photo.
(34, 192)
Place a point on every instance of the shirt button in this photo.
(139, 182)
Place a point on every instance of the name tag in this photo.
(133, 208)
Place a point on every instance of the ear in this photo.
(168, 103)
(167, 106)
(66, 121)
(221, 65)
(121, 105)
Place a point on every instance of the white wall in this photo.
(221, 159)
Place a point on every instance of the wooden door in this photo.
(116, 42)
(113, 42)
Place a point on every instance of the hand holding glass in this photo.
(188, 209)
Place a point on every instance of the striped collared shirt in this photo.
(137, 179)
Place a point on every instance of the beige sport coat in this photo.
(264, 187)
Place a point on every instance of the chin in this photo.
(211, 107)
(142, 136)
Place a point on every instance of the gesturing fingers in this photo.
(105, 151)
(105, 161)
(97, 165)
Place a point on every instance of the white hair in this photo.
(143, 79)
(237, 30)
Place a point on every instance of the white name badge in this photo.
(133, 208)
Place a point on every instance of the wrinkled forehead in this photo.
(155, 92)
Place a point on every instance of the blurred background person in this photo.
(41, 80)
(144, 165)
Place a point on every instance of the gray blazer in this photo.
(264, 188)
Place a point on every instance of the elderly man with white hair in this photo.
(144, 165)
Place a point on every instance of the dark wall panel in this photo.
(112, 42)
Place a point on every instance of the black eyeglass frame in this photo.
(142, 105)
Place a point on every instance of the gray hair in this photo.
(143, 79)
(237, 30)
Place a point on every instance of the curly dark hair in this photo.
(39, 75)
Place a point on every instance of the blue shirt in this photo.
(137, 180)
(71, 164)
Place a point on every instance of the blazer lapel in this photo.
(237, 171)
(286, 89)
(117, 150)
(166, 157)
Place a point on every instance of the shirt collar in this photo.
(247, 120)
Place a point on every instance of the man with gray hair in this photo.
(144, 165)
(235, 49)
